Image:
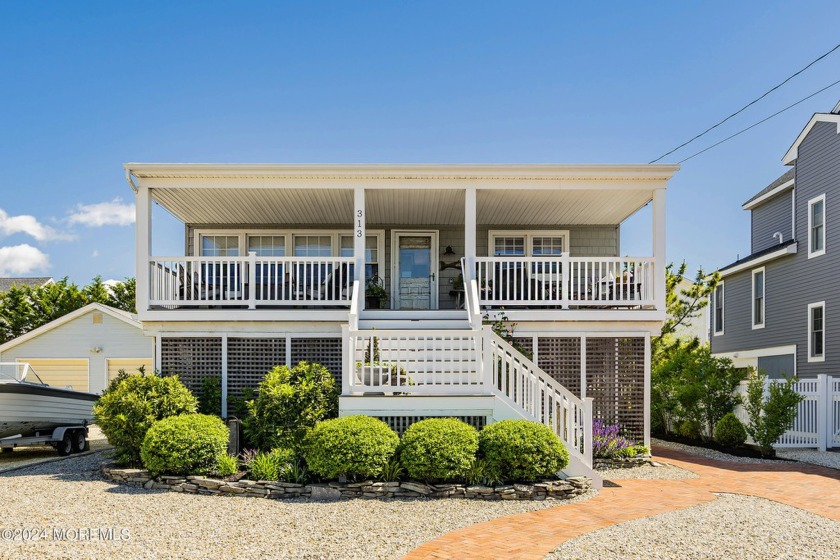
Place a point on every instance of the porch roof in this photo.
(400, 194)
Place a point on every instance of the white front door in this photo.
(414, 269)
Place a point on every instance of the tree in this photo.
(16, 313)
(772, 416)
(123, 295)
(682, 305)
(96, 291)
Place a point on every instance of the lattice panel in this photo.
(325, 351)
(560, 358)
(525, 343)
(191, 359)
(615, 379)
(249, 359)
(401, 423)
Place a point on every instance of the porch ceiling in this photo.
(420, 206)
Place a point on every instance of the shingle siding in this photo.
(773, 216)
(793, 282)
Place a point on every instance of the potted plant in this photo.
(375, 294)
(373, 373)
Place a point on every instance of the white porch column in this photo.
(659, 247)
(143, 228)
(646, 406)
(224, 375)
(359, 231)
(470, 224)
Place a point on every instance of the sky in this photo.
(86, 87)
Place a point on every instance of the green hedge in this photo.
(353, 446)
(132, 403)
(521, 450)
(439, 449)
(729, 431)
(184, 445)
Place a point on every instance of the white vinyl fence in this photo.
(817, 423)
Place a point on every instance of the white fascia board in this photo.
(793, 152)
(758, 352)
(768, 195)
(788, 250)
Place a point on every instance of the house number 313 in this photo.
(359, 216)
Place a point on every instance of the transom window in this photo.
(758, 298)
(816, 332)
(816, 226)
(220, 245)
(267, 245)
(719, 308)
(313, 246)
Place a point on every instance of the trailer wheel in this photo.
(79, 441)
(65, 446)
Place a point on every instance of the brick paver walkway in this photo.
(535, 534)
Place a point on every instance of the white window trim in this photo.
(812, 254)
(722, 311)
(763, 299)
(810, 331)
(529, 235)
(335, 239)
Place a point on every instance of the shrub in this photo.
(353, 446)
(772, 416)
(438, 449)
(210, 398)
(277, 464)
(607, 441)
(521, 450)
(689, 429)
(290, 401)
(392, 472)
(132, 403)
(184, 445)
(226, 465)
(729, 431)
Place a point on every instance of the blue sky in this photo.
(89, 86)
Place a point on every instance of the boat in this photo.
(30, 407)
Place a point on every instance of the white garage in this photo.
(84, 349)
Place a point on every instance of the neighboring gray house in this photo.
(776, 309)
(7, 284)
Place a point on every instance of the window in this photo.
(548, 243)
(719, 309)
(313, 246)
(549, 246)
(758, 298)
(371, 253)
(509, 246)
(816, 226)
(220, 245)
(267, 245)
(816, 332)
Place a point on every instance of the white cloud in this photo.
(10, 225)
(114, 213)
(95, 253)
(22, 259)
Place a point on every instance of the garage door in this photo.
(131, 365)
(62, 373)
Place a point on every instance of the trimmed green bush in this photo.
(277, 464)
(226, 465)
(132, 403)
(521, 450)
(439, 449)
(729, 431)
(290, 401)
(689, 429)
(184, 445)
(353, 446)
(210, 397)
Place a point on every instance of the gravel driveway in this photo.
(731, 526)
(34, 454)
(70, 495)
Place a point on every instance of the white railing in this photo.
(517, 379)
(355, 298)
(817, 423)
(466, 362)
(565, 281)
(250, 281)
(472, 303)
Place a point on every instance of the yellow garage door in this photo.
(131, 365)
(62, 373)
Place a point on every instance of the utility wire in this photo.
(759, 122)
(753, 102)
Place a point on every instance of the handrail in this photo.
(354, 305)
(471, 301)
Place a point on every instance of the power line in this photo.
(761, 121)
(753, 102)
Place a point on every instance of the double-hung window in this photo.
(719, 308)
(371, 254)
(816, 226)
(758, 298)
(816, 332)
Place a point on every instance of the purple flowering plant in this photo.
(607, 440)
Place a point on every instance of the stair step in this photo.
(414, 324)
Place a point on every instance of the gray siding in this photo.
(773, 216)
(776, 367)
(793, 282)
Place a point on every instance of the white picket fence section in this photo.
(817, 423)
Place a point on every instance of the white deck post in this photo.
(659, 248)
(646, 407)
(470, 220)
(143, 214)
(359, 231)
(348, 362)
(251, 279)
(224, 374)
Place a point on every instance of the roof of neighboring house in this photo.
(793, 152)
(124, 316)
(7, 284)
(758, 254)
(781, 184)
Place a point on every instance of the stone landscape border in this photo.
(546, 490)
(605, 463)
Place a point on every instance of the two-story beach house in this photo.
(277, 261)
(773, 309)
